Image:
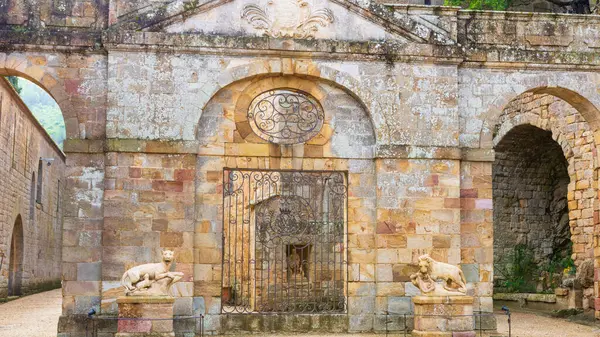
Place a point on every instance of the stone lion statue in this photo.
(430, 271)
(152, 279)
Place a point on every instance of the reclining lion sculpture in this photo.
(152, 279)
(430, 271)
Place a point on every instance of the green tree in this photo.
(43, 107)
(496, 5)
(14, 81)
(568, 6)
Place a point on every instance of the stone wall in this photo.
(35, 222)
(79, 14)
(414, 97)
(476, 229)
(148, 205)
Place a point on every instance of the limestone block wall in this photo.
(37, 225)
(165, 94)
(79, 14)
(418, 212)
(476, 229)
(148, 206)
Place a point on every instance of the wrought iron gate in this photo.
(284, 241)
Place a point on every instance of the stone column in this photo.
(145, 315)
(443, 316)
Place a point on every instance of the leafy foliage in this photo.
(521, 274)
(495, 5)
(519, 270)
(14, 81)
(562, 264)
(43, 107)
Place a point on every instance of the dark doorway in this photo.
(15, 267)
(531, 215)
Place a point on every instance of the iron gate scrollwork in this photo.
(286, 116)
(284, 241)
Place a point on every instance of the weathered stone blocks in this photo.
(443, 316)
(140, 315)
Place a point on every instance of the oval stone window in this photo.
(285, 116)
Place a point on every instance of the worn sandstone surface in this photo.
(416, 101)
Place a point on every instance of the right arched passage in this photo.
(544, 191)
(530, 183)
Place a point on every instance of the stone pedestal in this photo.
(150, 316)
(575, 298)
(562, 298)
(443, 316)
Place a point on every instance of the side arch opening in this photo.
(15, 265)
(545, 196)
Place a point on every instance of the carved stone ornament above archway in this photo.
(287, 19)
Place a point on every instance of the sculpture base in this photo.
(145, 316)
(443, 316)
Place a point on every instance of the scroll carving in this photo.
(287, 19)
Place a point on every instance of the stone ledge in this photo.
(151, 146)
(193, 147)
(417, 152)
(481, 155)
(265, 46)
(145, 334)
(443, 300)
(83, 146)
(146, 299)
(416, 333)
(285, 323)
(546, 298)
(11, 38)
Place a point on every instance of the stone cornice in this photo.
(484, 57)
(264, 46)
(486, 39)
(193, 147)
(59, 40)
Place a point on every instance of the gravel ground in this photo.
(526, 324)
(31, 316)
(37, 316)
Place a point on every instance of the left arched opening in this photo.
(15, 265)
(42, 106)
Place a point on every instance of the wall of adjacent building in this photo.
(22, 143)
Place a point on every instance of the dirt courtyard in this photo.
(37, 316)
(31, 316)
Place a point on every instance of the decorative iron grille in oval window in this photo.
(285, 116)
